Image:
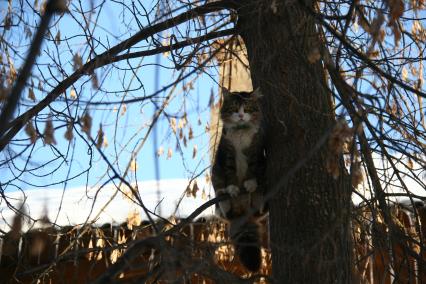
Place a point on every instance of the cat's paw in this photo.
(220, 191)
(233, 190)
(250, 185)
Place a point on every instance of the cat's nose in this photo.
(241, 115)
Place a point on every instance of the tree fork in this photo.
(310, 214)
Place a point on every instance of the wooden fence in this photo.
(201, 252)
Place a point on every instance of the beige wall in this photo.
(235, 76)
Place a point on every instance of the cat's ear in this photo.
(257, 94)
(225, 92)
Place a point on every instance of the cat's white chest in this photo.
(241, 140)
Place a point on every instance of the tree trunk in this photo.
(310, 214)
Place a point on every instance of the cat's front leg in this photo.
(225, 206)
(250, 185)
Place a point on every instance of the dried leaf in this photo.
(376, 25)
(58, 38)
(73, 94)
(31, 94)
(69, 132)
(410, 164)
(373, 54)
(190, 134)
(188, 191)
(173, 124)
(404, 74)
(95, 82)
(105, 142)
(396, 33)
(194, 151)
(101, 136)
(48, 134)
(12, 72)
(123, 109)
(78, 62)
(86, 123)
(203, 194)
(356, 27)
(133, 165)
(181, 124)
(416, 27)
(195, 189)
(31, 132)
(133, 219)
(396, 9)
(414, 71)
(160, 151)
(169, 153)
(8, 21)
(207, 177)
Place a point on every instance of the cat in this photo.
(238, 170)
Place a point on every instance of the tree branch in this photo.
(106, 58)
(13, 99)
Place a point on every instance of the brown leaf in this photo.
(86, 123)
(48, 134)
(31, 95)
(194, 151)
(410, 164)
(58, 38)
(31, 132)
(396, 9)
(78, 62)
(190, 134)
(195, 189)
(69, 132)
(95, 82)
(123, 109)
(173, 124)
(101, 135)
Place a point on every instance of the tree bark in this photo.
(310, 214)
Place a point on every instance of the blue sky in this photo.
(124, 130)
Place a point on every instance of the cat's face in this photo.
(240, 109)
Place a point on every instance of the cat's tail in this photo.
(246, 239)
